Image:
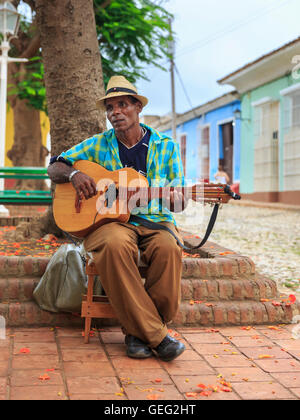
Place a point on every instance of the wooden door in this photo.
(227, 144)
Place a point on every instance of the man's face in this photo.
(122, 113)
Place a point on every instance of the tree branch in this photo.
(105, 4)
(16, 43)
(32, 48)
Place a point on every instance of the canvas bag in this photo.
(64, 282)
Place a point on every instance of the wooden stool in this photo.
(94, 306)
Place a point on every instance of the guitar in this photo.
(118, 193)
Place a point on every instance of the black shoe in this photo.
(169, 349)
(136, 348)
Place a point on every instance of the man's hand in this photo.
(84, 185)
(175, 200)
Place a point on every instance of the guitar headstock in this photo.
(209, 193)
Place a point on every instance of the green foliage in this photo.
(132, 34)
(31, 87)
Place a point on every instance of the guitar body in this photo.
(99, 209)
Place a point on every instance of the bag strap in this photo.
(157, 226)
(77, 244)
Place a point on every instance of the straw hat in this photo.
(119, 86)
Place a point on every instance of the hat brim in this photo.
(100, 102)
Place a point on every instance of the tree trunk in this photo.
(27, 149)
(73, 75)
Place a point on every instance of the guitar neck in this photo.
(208, 193)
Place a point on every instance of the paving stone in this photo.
(3, 385)
(262, 391)
(35, 348)
(83, 355)
(162, 392)
(94, 385)
(27, 361)
(204, 337)
(124, 362)
(279, 365)
(67, 342)
(98, 397)
(257, 353)
(31, 377)
(38, 336)
(227, 361)
(47, 392)
(253, 341)
(210, 348)
(244, 374)
(287, 379)
(81, 369)
(147, 377)
(187, 367)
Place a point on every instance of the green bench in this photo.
(37, 197)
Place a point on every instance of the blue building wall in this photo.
(214, 119)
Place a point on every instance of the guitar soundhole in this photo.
(111, 194)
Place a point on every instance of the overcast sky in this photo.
(214, 38)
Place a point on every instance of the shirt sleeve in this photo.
(175, 168)
(82, 151)
(59, 159)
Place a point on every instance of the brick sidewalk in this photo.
(239, 362)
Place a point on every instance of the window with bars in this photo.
(292, 112)
(266, 125)
(291, 157)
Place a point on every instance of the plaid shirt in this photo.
(164, 166)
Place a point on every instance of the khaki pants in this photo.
(143, 310)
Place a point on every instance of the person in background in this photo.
(221, 176)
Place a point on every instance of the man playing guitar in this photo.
(143, 310)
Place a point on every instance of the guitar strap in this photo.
(158, 226)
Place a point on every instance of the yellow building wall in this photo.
(9, 138)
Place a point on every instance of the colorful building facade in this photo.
(208, 135)
(270, 125)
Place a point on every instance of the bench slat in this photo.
(23, 170)
(25, 176)
(25, 197)
(24, 192)
(28, 202)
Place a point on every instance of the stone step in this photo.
(18, 289)
(215, 314)
(228, 288)
(233, 266)
(21, 289)
(235, 313)
(219, 288)
(19, 314)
